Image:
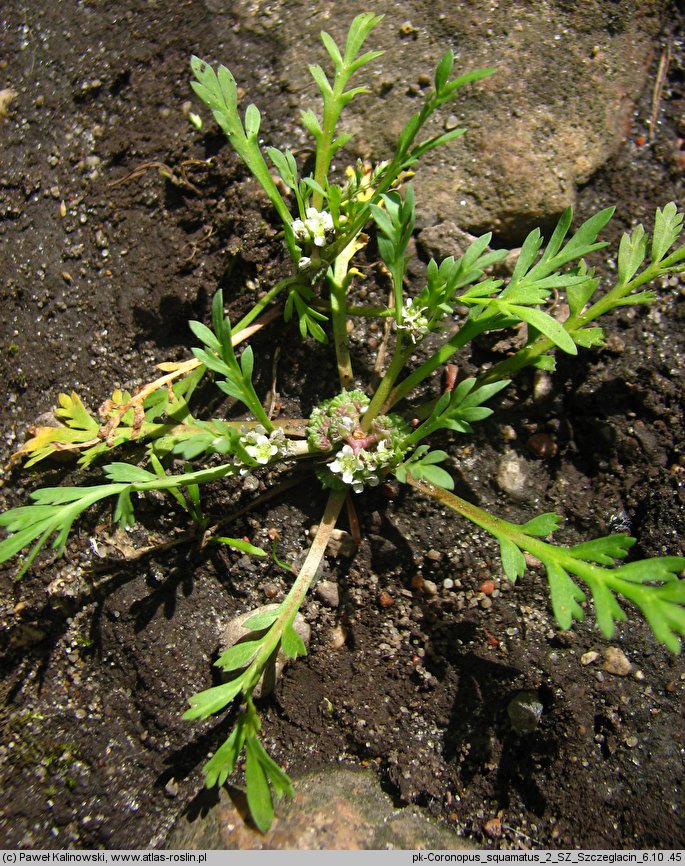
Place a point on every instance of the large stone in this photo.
(335, 809)
(559, 106)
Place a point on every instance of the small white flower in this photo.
(262, 450)
(262, 447)
(414, 320)
(349, 467)
(362, 468)
(379, 458)
(314, 228)
(300, 230)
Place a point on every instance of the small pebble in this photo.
(525, 711)
(385, 599)
(493, 828)
(7, 97)
(487, 587)
(340, 543)
(542, 385)
(434, 555)
(327, 591)
(171, 788)
(511, 476)
(616, 662)
(631, 742)
(589, 657)
(338, 637)
(430, 587)
(542, 446)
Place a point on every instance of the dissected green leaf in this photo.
(588, 337)
(605, 550)
(260, 621)
(123, 511)
(276, 775)
(128, 473)
(545, 324)
(565, 594)
(435, 474)
(579, 294)
(448, 90)
(658, 569)
(292, 644)
(221, 764)
(206, 703)
(258, 791)
(74, 414)
(240, 544)
(513, 561)
(239, 655)
(631, 254)
(607, 609)
(542, 525)
(584, 240)
(668, 224)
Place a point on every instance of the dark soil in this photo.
(100, 655)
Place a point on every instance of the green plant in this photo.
(356, 437)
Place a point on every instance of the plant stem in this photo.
(381, 397)
(372, 312)
(339, 280)
(264, 302)
(306, 575)
(470, 330)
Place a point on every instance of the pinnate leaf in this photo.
(221, 764)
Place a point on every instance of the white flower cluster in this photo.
(263, 447)
(362, 467)
(414, 320)
(314, 228)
